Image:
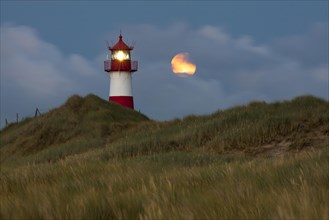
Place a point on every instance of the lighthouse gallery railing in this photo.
(107, 65)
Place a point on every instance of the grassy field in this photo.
(89, 159)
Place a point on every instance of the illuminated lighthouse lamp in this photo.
(120, 67)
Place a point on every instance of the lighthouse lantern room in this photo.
(120, 66)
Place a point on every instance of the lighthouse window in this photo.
(120, 55)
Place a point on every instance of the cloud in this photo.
(310, 48)
(34, 73)
(28, 63)
(230, 70)
(162, 95)
(215, 34)
(320, 74)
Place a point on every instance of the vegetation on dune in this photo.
(74, 127)
(90, 159)
(175, 185)
(254, 128)
(85, 123)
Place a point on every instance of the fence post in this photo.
(37, 112)
(17, 117)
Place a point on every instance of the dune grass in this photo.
(175, 185)
(297, 124)
(88, 123)
(90, 159)
(80, 124)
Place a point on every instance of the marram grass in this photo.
(90, 159)
(170, 186)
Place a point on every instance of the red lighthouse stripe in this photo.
(127, 101)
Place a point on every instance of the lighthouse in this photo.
(120, 67)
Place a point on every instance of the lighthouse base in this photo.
(126, 101)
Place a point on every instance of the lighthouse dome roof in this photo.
(120, 45)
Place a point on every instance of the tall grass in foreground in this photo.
(174, 185)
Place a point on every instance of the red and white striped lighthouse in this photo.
(120, 67)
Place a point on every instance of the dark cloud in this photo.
(310, 49)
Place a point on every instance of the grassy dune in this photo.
(100, 161)
(79, 125)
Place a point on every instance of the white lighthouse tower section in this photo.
(120, 83)
(121, 67)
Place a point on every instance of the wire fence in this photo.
(36, 114)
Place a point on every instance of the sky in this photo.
(244, 51)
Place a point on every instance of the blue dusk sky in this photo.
(244, 51)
